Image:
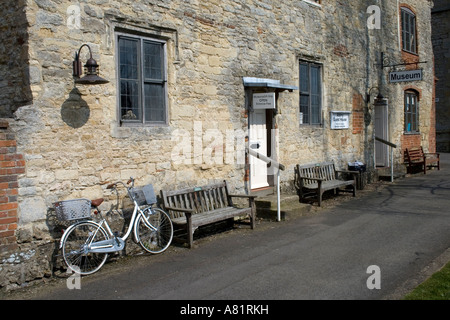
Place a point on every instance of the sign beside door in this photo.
(340, 119)
(264, 100)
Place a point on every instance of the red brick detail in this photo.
(358, 114)
(11, 165)
(410, 141)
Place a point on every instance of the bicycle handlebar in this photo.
(113, 185)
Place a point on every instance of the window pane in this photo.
(129, 100)
(154, 102)
(153, 62)
(315, 109)
(128, 58)
(304, 107)
(315, 80)
(304, 78)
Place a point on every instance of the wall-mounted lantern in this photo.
(90, 69)
(379, 100)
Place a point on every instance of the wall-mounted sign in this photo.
(264, 100)
(340, 119)
(403, 76)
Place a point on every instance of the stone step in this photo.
(384, 174)
(290, 207)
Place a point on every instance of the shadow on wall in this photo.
(15, 88)
(75, 111)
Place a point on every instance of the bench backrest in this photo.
(324, 170)
(415, 154)
(200, 199)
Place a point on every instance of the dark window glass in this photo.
(409, 42)
(411, 112)
(142, 80)
(310, 92)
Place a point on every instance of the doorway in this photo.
(258, 141)
(381, 131)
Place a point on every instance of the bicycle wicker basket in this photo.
(75, 209)
(144, 195)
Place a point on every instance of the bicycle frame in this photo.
(115, 243)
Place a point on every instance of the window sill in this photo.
(128, 131)
(409, 52)
(142, 125)
(411, 133)
(312, 126)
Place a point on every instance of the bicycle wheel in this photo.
(155, 240)
(75, 250)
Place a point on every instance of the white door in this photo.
(258, 142)
(381, 149)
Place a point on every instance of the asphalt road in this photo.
(402, 229)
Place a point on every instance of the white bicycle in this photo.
(85, 245)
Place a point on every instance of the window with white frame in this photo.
(141, 80)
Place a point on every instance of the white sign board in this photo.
(264, 100)
(340, 119)
(403, 76)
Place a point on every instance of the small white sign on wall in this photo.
(340, 119)
(264, 100)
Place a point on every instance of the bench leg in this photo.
(253, 213)
(319, 192)
(190, 232)
(190, 239)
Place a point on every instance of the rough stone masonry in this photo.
(70, 139)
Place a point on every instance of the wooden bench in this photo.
(416, 157)
(199, 206)
(321, 177)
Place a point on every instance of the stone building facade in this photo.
(181, 104)
(441, 45)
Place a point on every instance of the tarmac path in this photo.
(377, 246)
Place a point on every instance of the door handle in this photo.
(255, 145)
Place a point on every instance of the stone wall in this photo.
(14, 68)
(441, 45)
(73, 142)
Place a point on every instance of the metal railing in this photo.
(276, 164)
(391, 151)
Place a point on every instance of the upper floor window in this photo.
(411, 111)
(409, 32)
(310, 93)
(142, 80)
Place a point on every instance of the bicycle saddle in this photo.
(96, 202)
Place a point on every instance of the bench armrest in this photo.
(348, 171)
(242, 196)
(432, 154)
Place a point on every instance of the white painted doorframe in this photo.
(258, 142)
